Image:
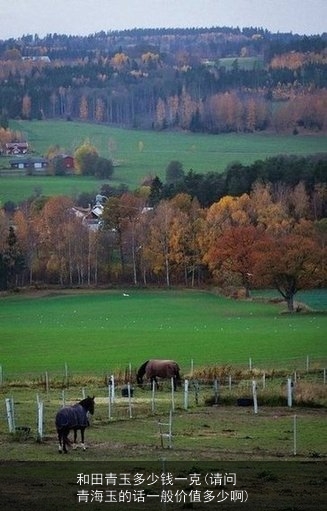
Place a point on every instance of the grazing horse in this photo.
(73, 418)
(158, 368)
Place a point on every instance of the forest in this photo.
(211, 80)
(273, 236)
(255, 226)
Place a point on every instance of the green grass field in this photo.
(246, 63)
(143, 153)
(97, 332)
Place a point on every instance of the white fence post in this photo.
(185, 394)
(172, 394)
(112, 379)
(39, 419)
(153, 405)
(129, 400)
(294, 435)
(109, 400)
(289, 392)
(66, 374)
(254, 393)
(196, 391)
(47, 382)
(10, 414)
(216, 390)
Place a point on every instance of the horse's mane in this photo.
(141, 370)
(84, 401)
(87, 404)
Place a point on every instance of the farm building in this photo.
(35, 163)
(16, 148)
(91, 216)
(66, 160)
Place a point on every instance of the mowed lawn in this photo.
(98, 332)
(139, 154)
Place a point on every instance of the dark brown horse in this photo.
(73, 418)
(153, 369)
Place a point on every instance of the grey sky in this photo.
(83, 17)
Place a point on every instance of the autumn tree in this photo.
(84, 108)
(56, 238)
(28, 238)
(272, 215)
(11, 262)
(235, 253)
(99, 109)
(159, 248)
(103, 168)
(86, 156)
(4, 229)
(289, 262)
(161, 120)
(26, 106)
(119, 216)
(174, 172)
(187, 223)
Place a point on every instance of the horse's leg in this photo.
(65, 440)
(82, 439)
(60, 441)
(156, 382)
(75, 439)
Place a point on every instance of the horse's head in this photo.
(141, 372)
(88, 404)
(139, 379)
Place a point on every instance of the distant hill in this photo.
(211, 80)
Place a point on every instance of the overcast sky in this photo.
(83, 17)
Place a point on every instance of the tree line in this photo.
(282, 173)
(268, 236)
(206, 80)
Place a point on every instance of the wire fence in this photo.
(69, 374)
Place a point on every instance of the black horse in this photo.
(159, 368)
(73, 418)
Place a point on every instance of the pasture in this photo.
(143, 153)
(96, 334)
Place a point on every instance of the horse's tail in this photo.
(61, 420)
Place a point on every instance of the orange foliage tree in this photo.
(289, 262)
(235, 254)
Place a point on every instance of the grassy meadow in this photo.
(143, 153)
(98, 332)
